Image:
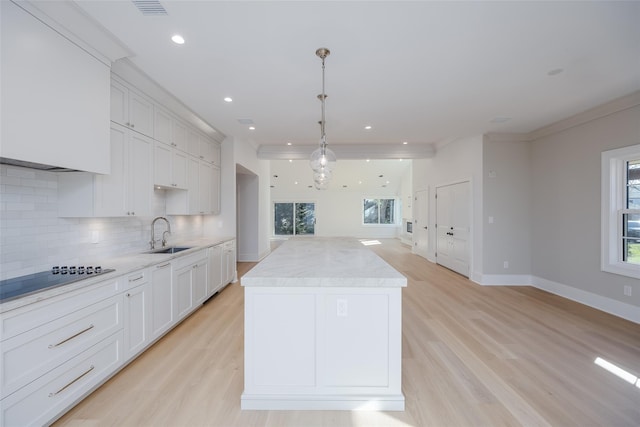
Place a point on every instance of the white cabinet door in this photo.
(183, 291)
(215, 190)
(137, 314)
(205, 181)
(162, 317)
(140, 170)
(215, 269)
(179, 169)
(140, 114)
(193, 142)
(229, 262)
(179, 132)
(162, 126)
(119, 103)
(200, 275)
(162, 164)
(110, 190)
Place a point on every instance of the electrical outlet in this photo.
(95, 236)
(627, 290)
(506, 264)
(342, 308)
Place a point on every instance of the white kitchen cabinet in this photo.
(56, 350)
(190, 278)
(137, 313)
(169, 166)
(214, 283)
(229, 265)
(203, 195)
(131, 109)
(126, 191)
(162, 299)
(169, 130)
(55, 96)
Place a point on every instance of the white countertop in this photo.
(124, 265)
(323, 261)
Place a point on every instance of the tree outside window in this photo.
(294, 219)
(378, 211)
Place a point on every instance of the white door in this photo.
(420, 223)
(453, 210)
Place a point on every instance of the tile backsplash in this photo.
(33, 238)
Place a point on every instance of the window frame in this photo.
(294, 203)
(613, 204)
(377, 199)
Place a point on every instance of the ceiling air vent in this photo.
(150, 7)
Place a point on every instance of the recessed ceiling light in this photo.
(252, 128)
(400, 159)
(177, 39)
(228, 99)
(359, 182)
(275, 176)
(288, 143)
(290, 161)
(367, 127)
(344, 186)
(295, 182)
(404, 142)
(368, 160)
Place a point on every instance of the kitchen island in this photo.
(323, 328)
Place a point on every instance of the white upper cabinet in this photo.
(126, 191)
(169, 129)
(131, 109)
(55, 97)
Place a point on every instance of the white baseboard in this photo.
(608, 305)
(504, 280)
(314, 402)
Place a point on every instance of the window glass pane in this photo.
(305, 218)
(631, 238)
(633, 184)
(283, 219)
(386, 211)
(370, 211)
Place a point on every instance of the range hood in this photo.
(32, 165)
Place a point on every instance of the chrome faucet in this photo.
(153, 228)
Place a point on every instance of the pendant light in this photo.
(322, 160)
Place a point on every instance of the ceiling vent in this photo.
(150, 7)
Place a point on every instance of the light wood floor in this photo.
(472, 355)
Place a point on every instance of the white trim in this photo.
(608, 305)
(612, 201)
(504, 279)
(598, 302)
(322, 402)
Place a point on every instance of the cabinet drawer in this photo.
(33, 315)
(45, 399)
(135, 279)
(189, 260)
(30, 355)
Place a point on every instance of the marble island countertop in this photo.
(123, 265)
(323, 262)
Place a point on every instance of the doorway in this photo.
(247, 214)
(453, 213)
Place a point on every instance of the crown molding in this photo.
(603, 110)
(349, 151)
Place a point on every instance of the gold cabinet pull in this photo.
(71, 337)
(72, 382)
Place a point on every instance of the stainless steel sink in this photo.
(169, 250)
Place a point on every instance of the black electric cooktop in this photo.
(26, 285)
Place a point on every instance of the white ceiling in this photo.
(424, 72)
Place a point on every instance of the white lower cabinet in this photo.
(56, 351)
(43, 400)
(229, 262)
(215, 269)
(190, 278)
(162, 314)
(137, 313)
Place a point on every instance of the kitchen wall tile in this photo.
(33, 238)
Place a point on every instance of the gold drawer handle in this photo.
(72, 382)
(71, 337)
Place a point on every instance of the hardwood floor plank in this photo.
(472, 356)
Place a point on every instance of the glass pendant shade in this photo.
(322, 176)
(322, 159)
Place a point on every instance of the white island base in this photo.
(326, 339)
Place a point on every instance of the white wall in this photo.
(566, 207)
(507, 200)
(459, 160)
(339, 212)
(33, 238)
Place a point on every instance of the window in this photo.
(294, 219)
(621, 211)
(379, 211)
